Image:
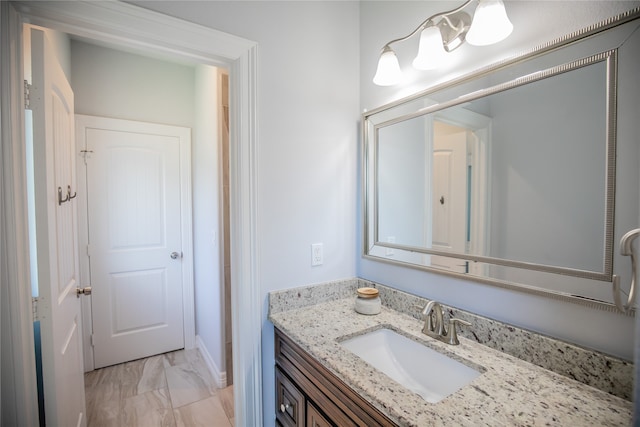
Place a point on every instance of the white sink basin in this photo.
(419, 368)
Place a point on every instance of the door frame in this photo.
(16, 339)
(83, 122)
(140, 29)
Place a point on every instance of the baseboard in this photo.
(220, 378)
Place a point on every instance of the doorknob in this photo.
(83, 291)
(176, 255)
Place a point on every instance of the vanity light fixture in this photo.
(443, 33)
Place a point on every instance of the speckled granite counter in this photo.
(510, 392)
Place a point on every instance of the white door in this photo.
(135, 238)
(56, 234)
(449, 194)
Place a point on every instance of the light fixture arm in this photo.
(424, 25)
(443, 33)
(451, 24)
(457, 28)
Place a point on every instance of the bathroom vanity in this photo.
(319, 382)
(303, 385)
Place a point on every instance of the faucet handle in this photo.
(452, 333)
(427, 308)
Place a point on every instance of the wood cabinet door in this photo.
(315, 418)
(290, 402)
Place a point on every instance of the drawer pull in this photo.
(283, 407)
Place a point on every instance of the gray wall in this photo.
(402, 182)
(307, 131)
(122, 85)
(207, 241)
(548, 163)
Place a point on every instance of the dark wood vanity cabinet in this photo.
(307, 394)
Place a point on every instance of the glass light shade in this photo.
(490, 24)
(431, 53)
(388, 72)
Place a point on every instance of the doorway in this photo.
(449, 207)
(462, 138)
(135, 27)
(139, 88)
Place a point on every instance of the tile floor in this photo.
(172, 389)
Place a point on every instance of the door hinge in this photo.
(86, 154)
(34, 308)
(27, 95)
(89, 251)
(91, 340)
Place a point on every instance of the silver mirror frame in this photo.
(370, 235)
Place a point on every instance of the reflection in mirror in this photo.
(546, 184)
(509, 177)
(432, 184)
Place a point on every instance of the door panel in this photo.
(134, 225)
(56, 235)
(128, 289)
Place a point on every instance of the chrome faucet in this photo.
(434, 324)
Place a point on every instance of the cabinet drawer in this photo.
(290, 404)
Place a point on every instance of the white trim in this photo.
(219, 378)
(137, 28)
(245, 289)
(19, 395)
(134, 27)
(83, 257)
(186, 224)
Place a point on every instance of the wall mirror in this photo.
(517, 175)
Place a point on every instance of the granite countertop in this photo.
(510, 391)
